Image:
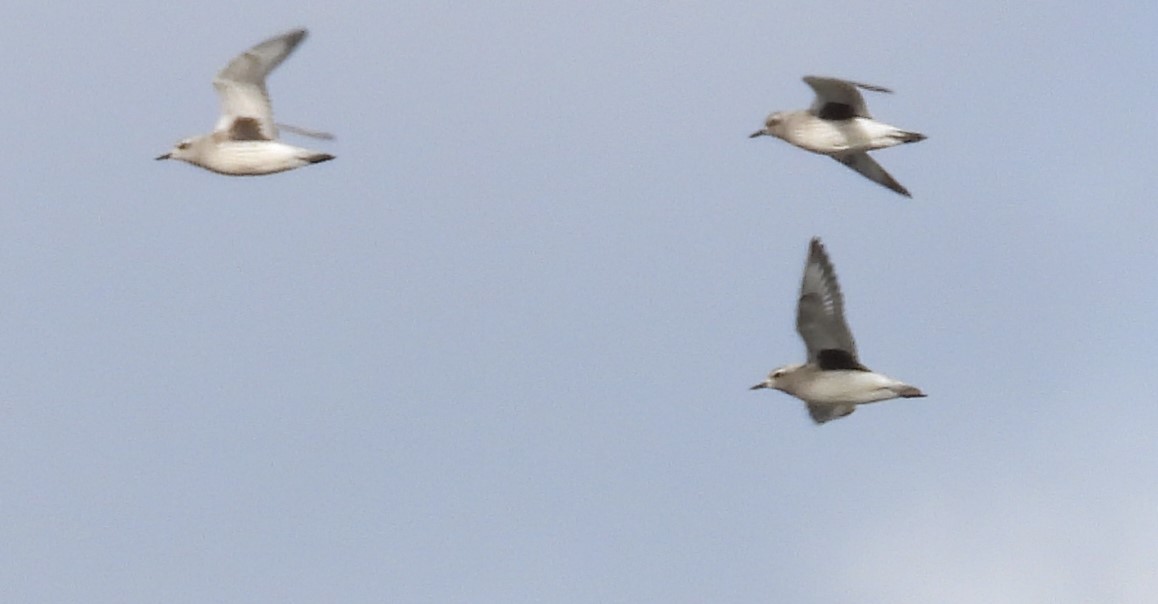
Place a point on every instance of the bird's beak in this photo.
(165, 156)
(759, 386)
(757, 133)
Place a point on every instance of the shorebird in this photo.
(833, 381)
(244, 141)
(839, 125)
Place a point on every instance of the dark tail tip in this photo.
(913, 137)
(911, 392)
(318, 158)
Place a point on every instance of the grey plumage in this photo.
(839, 125)
(833, 381)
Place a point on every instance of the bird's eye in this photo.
(183, 145)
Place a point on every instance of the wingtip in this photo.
(318, 158)
(295, 36)
(812, 79)
(292, 37)
(818, 255)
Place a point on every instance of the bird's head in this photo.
(773, 126)
(182, 150)
(777, 377)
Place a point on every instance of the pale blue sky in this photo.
(499, 350)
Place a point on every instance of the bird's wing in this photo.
(839, 99)
(869, 168)
(826, 413)
(318, 134)
(820, 314)
(241, 86)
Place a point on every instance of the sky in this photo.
(499, 350)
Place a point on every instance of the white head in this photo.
(778, 378)
(186, 150)
(773, 126)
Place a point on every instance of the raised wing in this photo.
(869, 168)
(318, 134)
(241, 86)
(839, 99)
(820, 315)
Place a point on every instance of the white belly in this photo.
(253, 158)
(847, 387)
(844, 136)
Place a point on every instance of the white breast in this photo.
(252, 157)
(850, 387)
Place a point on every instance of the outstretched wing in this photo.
(869, 168)
(820, 315)
(246, 113)
(839, 99)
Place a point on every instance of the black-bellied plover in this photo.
(839, 125)
(833, 381)
(244, 141)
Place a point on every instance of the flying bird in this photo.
(244, 142)
(839, 125)
(833, 381)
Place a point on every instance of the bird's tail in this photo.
(909, 137)
(318, 158)
(907, 391)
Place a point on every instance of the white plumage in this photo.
(244, 140)
(839, 125)
(833, 381)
